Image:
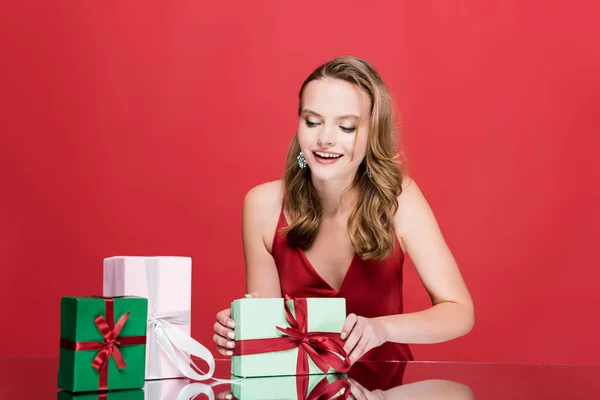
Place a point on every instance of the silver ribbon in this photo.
(163, 335)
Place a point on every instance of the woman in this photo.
(342, 220)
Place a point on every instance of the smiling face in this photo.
(333, 128)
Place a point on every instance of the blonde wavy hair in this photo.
(371, 222)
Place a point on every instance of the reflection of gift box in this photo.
(299, 387)
(102, 343)
(291, 337)
(167, 283)
(116, 395)
(164, 389)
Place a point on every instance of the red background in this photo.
(137, 128)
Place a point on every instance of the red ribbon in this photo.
(110, 347)
(324, 348)
(325, 390)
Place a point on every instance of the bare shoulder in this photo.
(412, 208)
(410, 197)
(262, 206)
(263, 197)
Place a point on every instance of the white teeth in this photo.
(327, 155)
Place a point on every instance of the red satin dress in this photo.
(371, 288)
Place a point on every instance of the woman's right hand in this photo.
(224, 335)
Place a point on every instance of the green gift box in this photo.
(276, 336)
(115, 395)
(102, 343)
(291, 387)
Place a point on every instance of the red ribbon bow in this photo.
(326, 349)
(110, 347)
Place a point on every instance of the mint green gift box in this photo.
(257, 318)
(278, 387)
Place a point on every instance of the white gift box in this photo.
(167, 284)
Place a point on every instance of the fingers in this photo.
(224, 318)
(348, 325)
(224, 351)
(224, 334)
(223, 331)
(360, 349)
(223, 342)
(354, 335)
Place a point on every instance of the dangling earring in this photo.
(301, 161)
(369, 173)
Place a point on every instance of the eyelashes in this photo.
(347, 129)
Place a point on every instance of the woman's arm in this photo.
(262, 278)
(261, 272)
(451, 314)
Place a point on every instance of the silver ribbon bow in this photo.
(163, 335)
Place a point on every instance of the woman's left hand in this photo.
(361, 335)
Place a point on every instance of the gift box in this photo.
(167, 284)
(300, 387)
(277, 336)
(116, 395)
(103, 343)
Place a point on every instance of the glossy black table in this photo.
(35, 378)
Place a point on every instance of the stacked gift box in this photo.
(138, 330)
(137, 335)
